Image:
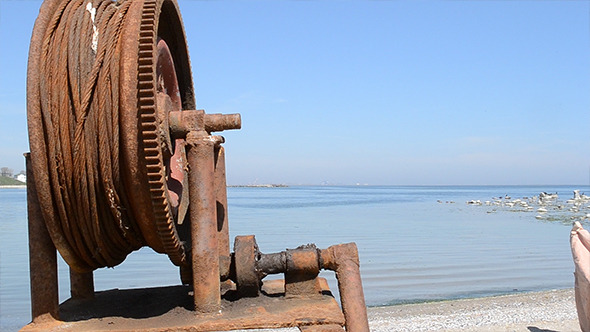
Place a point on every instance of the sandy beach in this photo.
(533, 312)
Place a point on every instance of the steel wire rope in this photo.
(79, 101)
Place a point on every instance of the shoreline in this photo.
(17, 186)
(553, 310)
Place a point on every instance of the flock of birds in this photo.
(548, 207)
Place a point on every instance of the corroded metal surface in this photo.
(344, 260)
(133, 59)
(81, 285)
(39, 160)
(42, 257)
(168, 309)
(221, 211)
(322, 328)
(247, 273)
(301, 267)
(155, 75)
(205, 253)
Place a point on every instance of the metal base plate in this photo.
(170, 309)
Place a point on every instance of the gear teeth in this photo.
(152, 149)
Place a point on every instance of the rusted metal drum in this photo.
(154, 78)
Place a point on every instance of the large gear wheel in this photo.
(157, 79)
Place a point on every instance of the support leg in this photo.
(344, 260)
(205, 251)
(42, 256)
(81, 285)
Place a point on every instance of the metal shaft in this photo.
(42, 256)
(205, 252)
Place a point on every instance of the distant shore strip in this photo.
(259, 186)
(232, 186)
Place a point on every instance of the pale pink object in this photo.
(580, 242)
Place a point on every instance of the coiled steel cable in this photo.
(79, 103)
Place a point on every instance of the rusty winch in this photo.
(121, 158)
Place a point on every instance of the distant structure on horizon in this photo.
(7, 172)
(22, 177)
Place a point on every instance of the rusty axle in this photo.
(183, 122)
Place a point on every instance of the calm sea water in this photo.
(412, 248)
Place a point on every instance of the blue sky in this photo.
(383, 92)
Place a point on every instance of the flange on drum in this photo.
(121, 158)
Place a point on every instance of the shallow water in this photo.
(412, 248)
